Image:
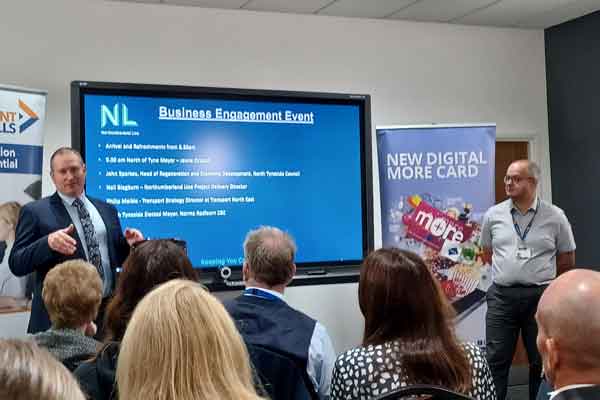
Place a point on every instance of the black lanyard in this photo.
(528, 227)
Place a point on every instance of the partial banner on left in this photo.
(22, 120)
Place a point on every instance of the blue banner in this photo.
(436, 182)
(21, 159)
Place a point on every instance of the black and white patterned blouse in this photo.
(367, 372)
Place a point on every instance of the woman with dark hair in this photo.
(150, 263)
(408, 337)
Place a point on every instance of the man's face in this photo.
(68, 174)
(517, 182)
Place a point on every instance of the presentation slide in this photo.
(209, 170)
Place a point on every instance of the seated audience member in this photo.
(265, 319)
(408, 335)
(28, 372)
(568, 318)
(189, 346)
(72, 294)
(149, 264)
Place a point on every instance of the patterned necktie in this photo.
(90, 236)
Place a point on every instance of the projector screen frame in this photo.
(307, 273)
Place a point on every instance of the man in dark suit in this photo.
(568, 318)
(68, 225)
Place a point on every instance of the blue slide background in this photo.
(321, 208)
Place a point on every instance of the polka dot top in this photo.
(371, 371)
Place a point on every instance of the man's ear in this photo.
(293, 267)
(552, 356)
(245, 271)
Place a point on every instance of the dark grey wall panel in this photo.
(573, 81)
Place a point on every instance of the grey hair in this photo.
(269, 253)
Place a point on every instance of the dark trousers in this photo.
(512, 310)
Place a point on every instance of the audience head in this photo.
(402, 301)
(72, 294)
(150, 263)
(9, 216)
(29, 372)
(568, 319)
(522, 177)
(188, 337)
(269, 258)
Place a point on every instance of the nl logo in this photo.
(17, 120)
(117, 116)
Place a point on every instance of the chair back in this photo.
(432, 392)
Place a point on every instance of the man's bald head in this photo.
(568, 316)
(527, 168)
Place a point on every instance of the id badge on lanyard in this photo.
(524, 252)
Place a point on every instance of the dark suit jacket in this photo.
(580, 393)
(31, 253)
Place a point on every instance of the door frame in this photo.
(533, 155)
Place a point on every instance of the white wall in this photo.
(415, 72)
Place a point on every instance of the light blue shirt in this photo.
(550, 234)
(99, 229)
(321, 355)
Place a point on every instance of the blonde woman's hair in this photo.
(29, 372)
(181, 344)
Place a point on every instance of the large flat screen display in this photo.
(206, 165)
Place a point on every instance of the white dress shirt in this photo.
(101, 235)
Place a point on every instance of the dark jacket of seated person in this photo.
(408, 337)
(97, 376)
(264, 318)
(72, 294)
(150, 263)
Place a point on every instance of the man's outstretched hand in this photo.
(61, 240)
(133, 236)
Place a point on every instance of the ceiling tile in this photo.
(287, 6)
(365, 9)
(510, 12)
(536, 14)
(208, 3)
(559, 15)
(440, 11)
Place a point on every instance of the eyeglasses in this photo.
(515, 179)
(178, 242)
